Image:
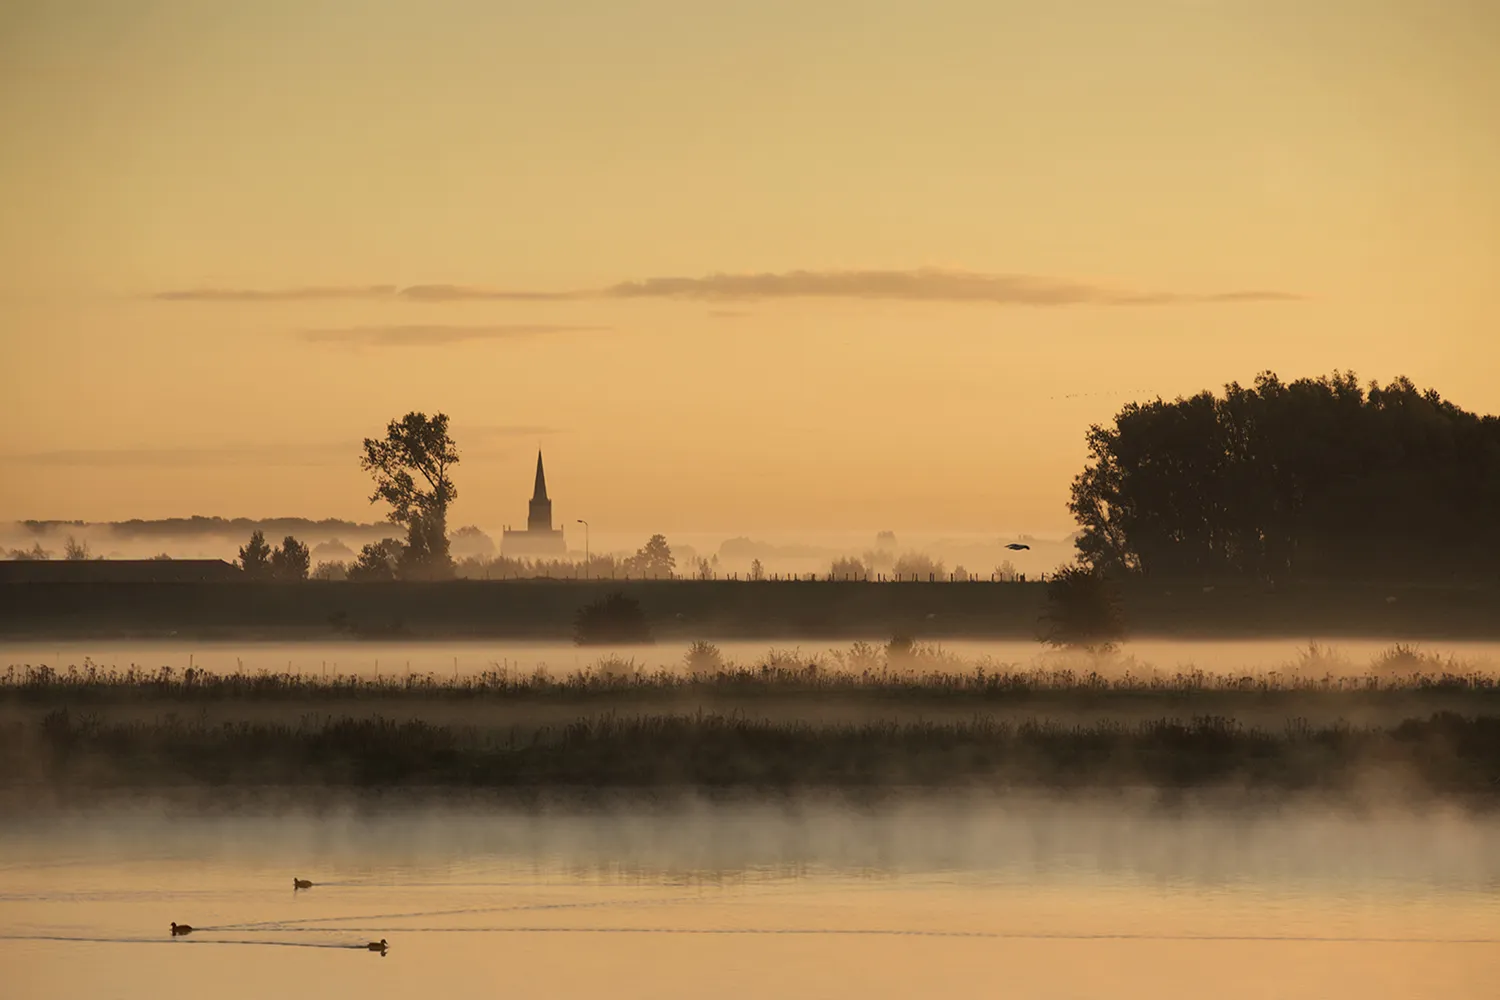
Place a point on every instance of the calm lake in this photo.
(933, 898)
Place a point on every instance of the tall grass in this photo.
(905, 675)
(1444, 754)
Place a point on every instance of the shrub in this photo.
(1083, 610)
(703, 657)
(612, 619)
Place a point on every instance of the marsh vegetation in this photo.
(866, 717)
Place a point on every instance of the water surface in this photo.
(936, 898)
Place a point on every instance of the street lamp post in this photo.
(585, 547)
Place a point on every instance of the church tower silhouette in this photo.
(539, 538)
(540, 518)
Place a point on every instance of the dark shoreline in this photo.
(678, 610)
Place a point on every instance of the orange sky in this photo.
(891, 165)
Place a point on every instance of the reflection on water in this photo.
(1029, 898)
(466, 658)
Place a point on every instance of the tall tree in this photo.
(255, 557)
(412, 467)
(654, 559)
(290, 561)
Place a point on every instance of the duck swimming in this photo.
(180, 929)
(379, 946)
(300, 883)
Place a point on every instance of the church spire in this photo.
(540, 493)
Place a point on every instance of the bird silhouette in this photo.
(300, 883)
(1018, 546)
(180, 929)
(379, 946)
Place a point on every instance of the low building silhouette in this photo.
(539, 538)
(119, 571)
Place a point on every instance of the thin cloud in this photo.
(472, 293)
(918, 285)
(432, 334)
(921, 285)
(309, 293)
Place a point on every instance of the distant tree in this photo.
(331, 571)
(34, 554)
(290, 561)
(1083, 610)
(918, 566)
(332, 550)
(377, 561)
(757, 571)
(470, 541)
(886, 541)
(412, 468)
(602, 566)
(1006, 572)
(162, 557)
(76, 551)
(255, 557)
(847, 567)
(654, 559)
(705, 569)
(612, 619)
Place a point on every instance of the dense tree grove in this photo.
(1315, 479)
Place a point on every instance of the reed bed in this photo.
(779, 676)
(918, 718)
(1445, 754)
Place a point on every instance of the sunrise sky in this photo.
(770, 267)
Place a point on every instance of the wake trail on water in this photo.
(309, 923)
(261, 942)
(907, 932)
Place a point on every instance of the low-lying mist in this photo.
(1032, 837)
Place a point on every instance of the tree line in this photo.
(1314, 479)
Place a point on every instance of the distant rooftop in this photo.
(118, 571)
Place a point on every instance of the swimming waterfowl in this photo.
(180, 929)
(377, 946)
(300, 883)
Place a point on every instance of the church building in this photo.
(539, 539)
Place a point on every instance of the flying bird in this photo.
(1017, 546)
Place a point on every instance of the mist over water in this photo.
(966, 897)
(464, 658)
(1131, 836)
